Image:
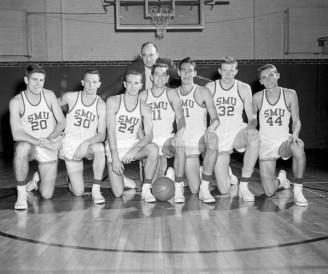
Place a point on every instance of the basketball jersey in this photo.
(82, 120)
(127, 122)
(274, 118)
(229, 107)
(162, 113)
(37, 120)
(195, 115)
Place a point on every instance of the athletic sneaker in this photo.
(284, 182)
(170, 173)
(178, 196)
(204, 193)
(245, 194)
(299, 198)
(146, 194)
(21, 202)
(96, 195)
(128, 183)
(33, 184)
(233, 178)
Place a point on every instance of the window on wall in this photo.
(13, 33)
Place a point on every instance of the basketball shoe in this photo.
(299, 198)
(96, 195)
(204, 193)
(21, 202)
(128, 183)
(284, 182)
(33, 184)
(244, 193)
(146, 194)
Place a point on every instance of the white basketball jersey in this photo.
(163, 114)
(274, 118)
(37, 120)
(229, 107)
(82, 120)
(195, 115)
(127, 122)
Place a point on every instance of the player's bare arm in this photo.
(143, 95)
(176, 105)
(16, 108)
(58, 114)
(246, 95)
(112, 105)
(211, 87)
(204, 97)
(292, 103)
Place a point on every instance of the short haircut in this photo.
(187, 60)
(148, 43)
(229, 61)
(133, 72)
(34, 68)
(159, 65)
(264, 67)
(91, 71)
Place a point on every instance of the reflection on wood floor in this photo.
(127, 235)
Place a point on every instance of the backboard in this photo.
(135, 15)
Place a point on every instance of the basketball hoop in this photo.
(323, 43)
(160, 17)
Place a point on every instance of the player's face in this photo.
(160, 77)
(269, 78)
(133, 84)
(149, 55)
(187, 73)
(228, 72)
(91, 83)
(35, 82)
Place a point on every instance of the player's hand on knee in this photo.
(251, 134)
(118, 167)
(295, 140)
(43, 142)
(211, 139)
(130, 155)
(178, 144)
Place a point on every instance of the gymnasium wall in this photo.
(75, 30)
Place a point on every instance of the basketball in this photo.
(163, 189)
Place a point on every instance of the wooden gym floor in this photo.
(126, 235)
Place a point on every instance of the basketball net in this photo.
(160, 17)
(323, 43)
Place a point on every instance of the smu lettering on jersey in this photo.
(127, 122)
(82, 120)
(274, 118)
(195, 115)
(229, 107)
(163, 114)
(37, 120)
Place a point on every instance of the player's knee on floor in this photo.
(46, 194)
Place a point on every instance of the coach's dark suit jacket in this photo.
(137, 65)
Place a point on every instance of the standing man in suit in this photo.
(149, 56)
